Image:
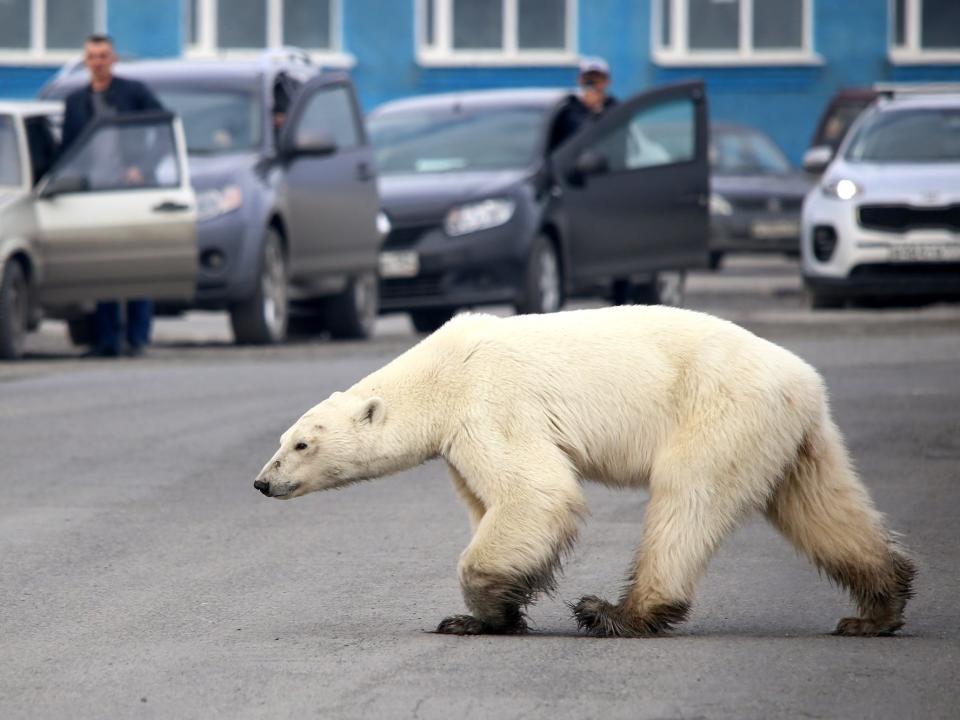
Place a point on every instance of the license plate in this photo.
(399, 264)
(924, 253)
(775, 229)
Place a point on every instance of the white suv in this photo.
(885, 219)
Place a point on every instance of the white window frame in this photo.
(206, 45)
(912, 52)
(37, 53)
(442, 53)
(678, 52)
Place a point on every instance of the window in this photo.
(232, 25)
(45, 28)
(660, 135)
(496, 31)
(9, 152)
(925, 31)
(330, 111)
(732, 32)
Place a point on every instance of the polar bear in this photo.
(714, 421)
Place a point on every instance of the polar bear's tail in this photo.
(824, 510)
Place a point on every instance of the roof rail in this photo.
(286, 53)
(889, 90)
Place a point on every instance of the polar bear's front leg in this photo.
(530, 520)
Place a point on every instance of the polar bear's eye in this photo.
(300, 446)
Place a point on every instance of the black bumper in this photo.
(941, 280)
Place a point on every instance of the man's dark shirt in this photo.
(573, 116)
(122, 95)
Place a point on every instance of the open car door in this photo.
(116, 216)
(635, 186)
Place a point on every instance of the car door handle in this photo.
(171, 206)
(363, 172)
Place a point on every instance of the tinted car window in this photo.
(734, 152)
(330, 110)
(658, 135)
(916, 135)
(455, 141)
(216, 121)
(9, 152)
(838, 121)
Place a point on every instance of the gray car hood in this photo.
(214, 171)
(784, 186)
(428, 196)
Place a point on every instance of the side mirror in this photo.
(307, 142)
(64, 184)
(589, 162)
(816, 159)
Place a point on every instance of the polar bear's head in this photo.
(333, 444)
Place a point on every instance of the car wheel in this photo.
(262, 318)
(825, 302)
(352, 314)
(666, 288)
(82, 330)
(14, 310)
(430, 319)
(542, 291)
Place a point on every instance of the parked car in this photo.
(755, 194)
(75, 229)
(837, 117)
(484, 211)
(285, 217)
(885, 220)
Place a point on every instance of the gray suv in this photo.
(286, 191)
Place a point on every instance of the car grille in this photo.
(899, 218)
(763, 204)
(426, 285)
(401, 238)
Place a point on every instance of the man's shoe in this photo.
(102, 352)
(136, 350)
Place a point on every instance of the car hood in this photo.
(8, 197)
(213, 171)
(428, 196)
(923, 182)
(793, 185)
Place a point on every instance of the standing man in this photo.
(589, 105)
(107, 95)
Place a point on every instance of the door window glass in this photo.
(330, 111)
(659, 135)
(9, 154)
(128, 156)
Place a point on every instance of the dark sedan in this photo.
(484, 211)
(756, 194)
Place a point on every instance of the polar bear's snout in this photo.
(263, 486)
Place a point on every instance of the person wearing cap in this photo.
(589, 104)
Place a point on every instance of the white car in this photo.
(884, 221)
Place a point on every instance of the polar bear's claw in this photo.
(469, 625)
(603, 619)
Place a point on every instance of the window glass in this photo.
(329, 111)
(477, 24)
(909, 136)
(9, 152)
(541, 24)
(69, 22)
(735, 152)
(455, 140)
(665, 19)
(940, 25)
(15, 24)
(429, 20)
(778, 24)
(126, 157)
(714, 24)
(242, 24)
(306, 23)
(215, 121)
(659, 135)
(190, 21)
(899, 22)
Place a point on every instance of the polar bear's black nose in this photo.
(263, 486)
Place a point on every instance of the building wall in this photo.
(851, 37)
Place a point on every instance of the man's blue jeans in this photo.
(109, 324)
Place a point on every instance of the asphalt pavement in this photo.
(142, 576)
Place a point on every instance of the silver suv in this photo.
(82, 227)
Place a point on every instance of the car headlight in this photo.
(719, 205)
(841, 189)
(477, 216)
(383, 224)
(218, 201)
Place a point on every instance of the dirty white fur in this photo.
(713, 420)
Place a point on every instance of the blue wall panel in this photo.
(22, 82)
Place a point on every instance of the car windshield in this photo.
(746, 152)
(926, 135)
(455, 140)
(215, 121)
(9, 153)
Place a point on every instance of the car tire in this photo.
(819, 301)
(715, 260)
(352, 314)
(14, 310)
(429, 319)
(262, 318)
(667, 287)
(82, 330)
(542, 290)
(308, 323)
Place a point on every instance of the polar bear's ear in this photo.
(372, 412)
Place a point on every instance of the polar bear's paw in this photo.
(603, 619)
(864, 627)
(469, 625)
